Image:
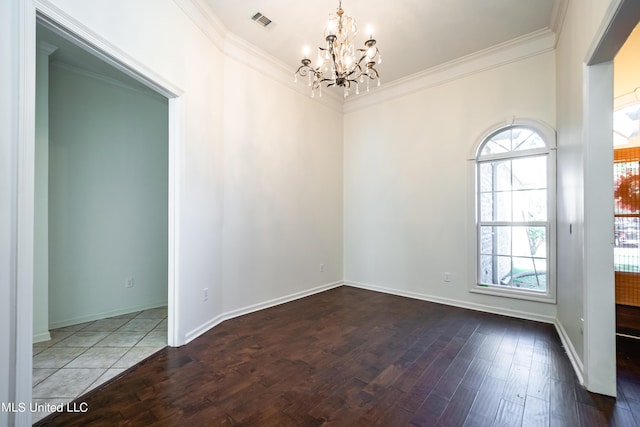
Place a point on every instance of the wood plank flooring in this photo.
(351, 357)
(628, 320)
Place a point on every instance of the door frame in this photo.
(43, 12)
(599, 295)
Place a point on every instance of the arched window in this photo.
(515, 214)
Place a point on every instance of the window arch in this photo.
(515, 212)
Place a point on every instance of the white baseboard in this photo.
(566, 342)
(456, 303)
(195, 333)
(575, 360)
(578, 367)
(41, 337)
(105, 314)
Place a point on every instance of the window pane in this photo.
(503, 240)
(503, 206)
(529, 173)
(486, 240)
(530, 205)
(516, 138)
(530, 241)
(486, 269)
(503, 176)
(527, 273)
(495, 240)
(492, 147)
(486, 177)
(486, 207)
(504, 269)
(526, 139)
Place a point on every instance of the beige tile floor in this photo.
(79, 358)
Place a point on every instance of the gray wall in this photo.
(108, 161)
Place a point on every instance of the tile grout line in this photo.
(146, 332)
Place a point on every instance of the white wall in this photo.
(277, 180)
(408, 181)
(108, 177)
(168, 44)
(581, 22)
(283, 190)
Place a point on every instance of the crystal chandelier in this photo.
(339, 62)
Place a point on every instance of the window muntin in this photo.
(513, 212)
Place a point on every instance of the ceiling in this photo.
(412, 35)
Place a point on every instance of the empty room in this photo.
(371, 213)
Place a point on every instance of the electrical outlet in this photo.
(447, 277)
(128, 283)
(205, 294)
(321, 268)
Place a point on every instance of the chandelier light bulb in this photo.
(331, 27)
(305, 51)
(370, 32)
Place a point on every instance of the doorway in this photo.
(100, 262)
(626, 185)
(75, 32)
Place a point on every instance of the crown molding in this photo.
(106, 79)
(244, 52)
(205, 20)
(61, 23)
(46, 48)
(558, 14)
(529, 45)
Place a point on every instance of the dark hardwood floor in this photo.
(628, 320)
(350, 357)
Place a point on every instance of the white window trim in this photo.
(549, 136)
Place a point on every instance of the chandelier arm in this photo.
(372, 75)
(304, 70)
(356, 68)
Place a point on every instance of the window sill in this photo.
(514, 293)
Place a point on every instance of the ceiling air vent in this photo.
(261, 19)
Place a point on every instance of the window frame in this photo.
(547, 134)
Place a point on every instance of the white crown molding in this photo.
(205, 20)
(529, 45)
(46, 48)
(255, 58)
(54, 18)
(106, 79)
(244, 52)
(558, 14)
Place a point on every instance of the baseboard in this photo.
(455, 303)
(578, 367)
(105, 314)
(195, 333)
(41, 337)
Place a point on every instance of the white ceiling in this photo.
(412, 35)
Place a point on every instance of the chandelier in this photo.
(339, 63)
